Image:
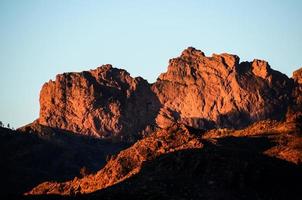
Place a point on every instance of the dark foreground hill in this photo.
(185, 163)
(28, 159)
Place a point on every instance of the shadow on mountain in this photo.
(234, 119)
(233, 168)
(231, 120)
(28, 159)
(198, 123)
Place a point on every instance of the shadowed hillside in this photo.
(227, 168)
(29, 158)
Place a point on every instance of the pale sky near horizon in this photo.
(39, 39)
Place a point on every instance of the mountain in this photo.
(198, 91)
(105, 102)
(210, 127)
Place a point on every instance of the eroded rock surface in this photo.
(295, 109)
(198, 91)
(101, 102)
(202, 91)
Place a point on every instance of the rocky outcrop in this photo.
(297, 76)
(295, 109)
(202, 91)
(297, 91)
(104, 102)
(198, 91)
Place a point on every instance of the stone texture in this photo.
(297, 76)
(199, 91)
(102, 102)
(295, 109)
(202, 91)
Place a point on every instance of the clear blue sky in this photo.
(39, 39)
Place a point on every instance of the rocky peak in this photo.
(297, 76)
(103, 102)
(230, 61)
(261, 68)
(192, 53)
(192, 63)
(219, 90)
(196, 90)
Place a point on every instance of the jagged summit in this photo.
(191, 52)
(218, 90)
(297, 75)
(103, 102)
(196, 90)
(258, 67)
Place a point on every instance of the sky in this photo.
(40, 38)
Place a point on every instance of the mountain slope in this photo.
(127, 162)
(251, 150)
(43, 153)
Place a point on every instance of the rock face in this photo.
(101, 102)
(297, 76)
(202, 91)
(295, 109)
(198, 91)
(297, 91)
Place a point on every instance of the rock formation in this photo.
(295, 108)
(102, 102)
(200, 91)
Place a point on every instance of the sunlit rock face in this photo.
(202, 91)
(103, 102)
(199, 91)
(295, 109)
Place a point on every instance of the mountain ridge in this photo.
(199, 91)
(241, 111)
